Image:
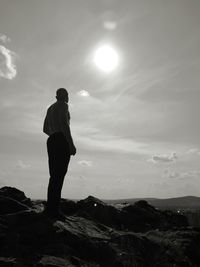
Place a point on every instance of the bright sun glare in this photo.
(106, 58)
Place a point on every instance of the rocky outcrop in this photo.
(138, 217)
(96, 234)
(15, 194)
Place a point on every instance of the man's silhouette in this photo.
(60, 147)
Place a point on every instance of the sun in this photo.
(106, 58)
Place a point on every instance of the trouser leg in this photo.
(59, 157)
(58, 169)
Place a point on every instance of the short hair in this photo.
(61, 93)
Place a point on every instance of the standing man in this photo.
(60, 147)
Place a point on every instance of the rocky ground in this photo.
(93, 234)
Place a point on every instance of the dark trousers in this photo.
(58, 157)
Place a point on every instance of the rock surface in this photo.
(93, 234)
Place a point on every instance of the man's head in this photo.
(62, 95)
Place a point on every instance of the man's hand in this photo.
(72, 149)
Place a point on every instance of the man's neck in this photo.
(62, 101)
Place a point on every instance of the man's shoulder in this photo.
(50, 107)
(58, 107)
(63, 106)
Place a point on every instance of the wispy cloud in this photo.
(109, 20)
(7, 66)
(195, 151)
(4, 38)
(86, 163)
(180, 175)
(170, 174)
(22, 165)
(111, 143)
(164, 158)
(84, 93)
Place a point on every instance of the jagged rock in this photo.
(16, 194)
(9, 205)
(10, 262)
(141, 217)
(51, 261)
(174, 219)
(38, 205)
(90, 200)
(177, 246)
(68, 207)
(30, 238)
(99, 211)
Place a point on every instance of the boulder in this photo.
(15, 194)
(9, 205)
(99, 211)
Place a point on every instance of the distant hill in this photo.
(190, 202)
(187, 202)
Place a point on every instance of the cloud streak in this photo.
(111, 143)
(181, 175)
(164, 158)
(85, 163)
(194, 151)
(7, 66)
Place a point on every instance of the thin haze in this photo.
(136, 128)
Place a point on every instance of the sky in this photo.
(136, 127)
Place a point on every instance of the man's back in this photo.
(57, 116)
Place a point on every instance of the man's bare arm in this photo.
(64, 123)
(46, 126)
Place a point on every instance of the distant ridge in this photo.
(178, 202)
(188, 202)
